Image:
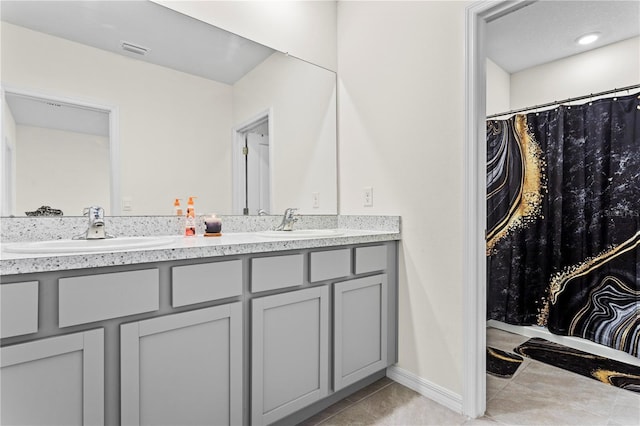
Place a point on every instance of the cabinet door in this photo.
(54, 381)
(183, 369)
(289, 353)
(360, 329)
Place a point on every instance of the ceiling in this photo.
(174, 40)
(537, 33)
(30, 111)
(544, 31)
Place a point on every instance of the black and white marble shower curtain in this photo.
(563, 231)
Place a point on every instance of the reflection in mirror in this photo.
(252, 191)
(58, 143)
(178, 104)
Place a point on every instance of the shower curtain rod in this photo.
(592, 95)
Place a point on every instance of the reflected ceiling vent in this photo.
(134, 48)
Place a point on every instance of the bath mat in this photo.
(501, 363)
(606, 370)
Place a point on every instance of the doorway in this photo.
(478, 16)
(474, 392)
(252, 167)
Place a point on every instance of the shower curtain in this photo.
(563, 225)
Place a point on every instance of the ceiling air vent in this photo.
(133, 48)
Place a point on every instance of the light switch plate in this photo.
(127, 204)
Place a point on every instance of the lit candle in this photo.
(213, 224)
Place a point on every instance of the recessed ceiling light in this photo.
(587, 38)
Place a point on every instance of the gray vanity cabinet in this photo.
(290, 352)
(183, 369)
(248, 339)
(56, 381)
(360, 329)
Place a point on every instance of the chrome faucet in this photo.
(288, 220)
(96, 230)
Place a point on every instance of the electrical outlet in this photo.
(315, 196)
(367, 196)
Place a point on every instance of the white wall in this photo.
(61, 169)
(605, 68)
(401, 131)
(304, 29)
(174, 127)
(303, 102)
(498, 89)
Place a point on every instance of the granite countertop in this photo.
(182, 248)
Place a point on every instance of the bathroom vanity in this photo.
(240, 329)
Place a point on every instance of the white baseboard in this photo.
(426, 388)
(572, 342)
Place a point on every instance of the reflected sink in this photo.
(302, 233)
(86, 246)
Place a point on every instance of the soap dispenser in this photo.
(178, 207)
(190, 220)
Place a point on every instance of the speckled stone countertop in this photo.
(354, 230)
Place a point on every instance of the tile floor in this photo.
(538, 394)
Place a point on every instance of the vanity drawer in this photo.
(98, 297)
(272, 273)
(326, 265)
(19, 308)
(205, 282)
(371, 259)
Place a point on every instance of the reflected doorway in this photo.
(252, 171)
(57, 153)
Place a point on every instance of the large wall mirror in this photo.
(130, 105)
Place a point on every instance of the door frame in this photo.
(237, 163)
(474, 396)
(114, 134)
(8, 178)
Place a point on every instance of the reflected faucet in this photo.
(96, 230)
(288, 220)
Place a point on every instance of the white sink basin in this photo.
(302, 233)
(86, 246)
